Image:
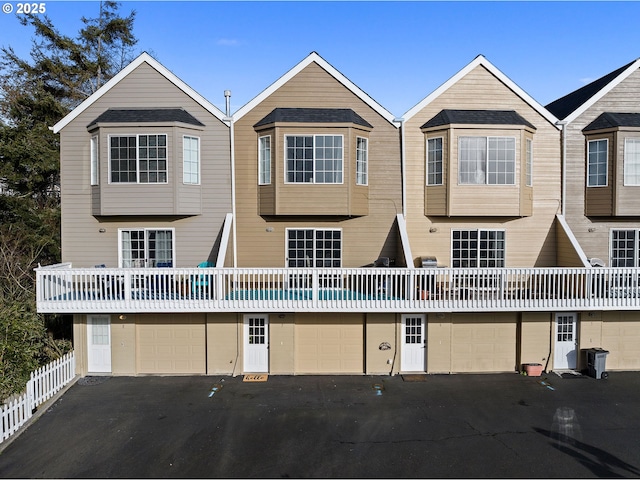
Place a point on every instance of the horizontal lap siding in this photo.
(82, 243)
(621, 337)
(528, 240)
(622, 98)
(261, 241)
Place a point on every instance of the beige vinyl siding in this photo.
(622, 98)
(527, 239)
(535, 337)
(261, 240)
(567, 255)
(82, 243)
(329, 343)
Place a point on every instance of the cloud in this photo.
(228, 42)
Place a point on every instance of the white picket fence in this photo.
(43, 384)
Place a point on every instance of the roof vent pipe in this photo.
(227, 96)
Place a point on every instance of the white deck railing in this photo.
(43, 384)
(103, 290)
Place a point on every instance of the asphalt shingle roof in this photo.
(565, 106)
(612, 120)
(477, 117)
(313, 115)
(146, 115)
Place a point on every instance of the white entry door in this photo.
(256, 343)
(413, 343)
(565, 354)
(99, 344)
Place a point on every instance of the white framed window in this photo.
(310, 247)
(190, 160)
(138, 158)
(434, 161)
(529, 165)
(146, 247)
(362, 161)
(264, 160)
(477, 248)
(314, 158)
(632, 161)
(95, 165)
(486, 160)
(597, 162)
(625, 247)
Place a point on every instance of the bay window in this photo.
(314, 158)
(138, 158)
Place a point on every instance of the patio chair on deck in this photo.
(200, 283)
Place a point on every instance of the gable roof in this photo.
(480, 60)
(572, 105)
(477, 117)
(145, 115)
(313, 115)
(313, 57)
(612, 120)
(142, 58)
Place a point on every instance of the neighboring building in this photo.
(602, 202)
(146, 182)
(333, 238)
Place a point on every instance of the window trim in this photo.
(184, 161)
(138, 135)
(94, 160)
(314, 230)
(146, 245)
(486, 171)
(362, 166)
(624, 176)
(314, 136)
(606, 172)
(262, 170)
(479, 230)
(441, 162)
(636, 246)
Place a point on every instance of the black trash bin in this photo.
(596, 362)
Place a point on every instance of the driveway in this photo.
(504, 425)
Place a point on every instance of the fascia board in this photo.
(142, 58)
(615, 82)
(314, 57)
(481, 60)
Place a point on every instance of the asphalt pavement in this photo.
(440, 426)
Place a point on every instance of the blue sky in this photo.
(397, 52)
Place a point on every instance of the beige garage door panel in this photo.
(171, 349)
(622, 340)
(329, 345)
(483, 347)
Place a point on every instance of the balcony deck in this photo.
(101, 290)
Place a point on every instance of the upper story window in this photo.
(314, 248)
(529, 166)
(95, 165)
(138, 158)
(264, 160)
(478, 248)
(632, 162)
(362, 161)
(487, 160)
(434, 161)
(597, 162)
(190, 160)
(314, 158)
(625, 245)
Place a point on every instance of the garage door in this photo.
(167, 347)
(621, 337)
(330, 343)
(483, 344)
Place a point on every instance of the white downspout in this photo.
(563, 194)
(229, 118)
(402, 167)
